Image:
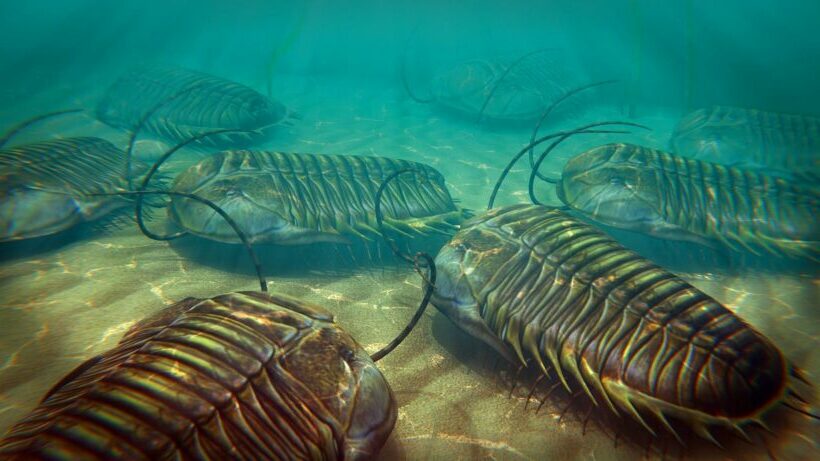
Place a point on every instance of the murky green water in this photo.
(61, 303)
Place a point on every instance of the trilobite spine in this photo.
(335, 193)
(205, 379)
(737, 207)
(633, 336)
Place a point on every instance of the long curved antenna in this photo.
(552, 107)
(533, 174)
(429, 279)
(540, 140)
(403, 71)
(263, 285)
(503, 76)
(142, 121)
(13, 131)
(153, 170)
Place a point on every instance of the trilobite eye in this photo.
(347, 354)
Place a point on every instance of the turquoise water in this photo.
(338, 65)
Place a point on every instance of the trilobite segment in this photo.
(635, 188)
(538, 284)
(238, 376)
(306, 198)
(44, 185)
(189, 103)
(785, 144)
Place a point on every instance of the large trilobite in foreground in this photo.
(554, 293)
(239, 376)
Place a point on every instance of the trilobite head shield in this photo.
(258, 205)
(454, 296)
(27, 212)
(724, 140)
(614, 186)
(343, 379)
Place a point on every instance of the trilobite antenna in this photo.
(429, 279)
(552, 107)
(503, 76)
(13, 131)
(263, 285)
(142, 121)
(144, 185)
(538, 141)
(403, 71)
(537, 166)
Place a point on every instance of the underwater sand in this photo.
(62, 306)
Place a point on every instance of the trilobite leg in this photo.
(532, 390)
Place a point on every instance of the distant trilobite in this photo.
(183, 103)
(501, 88)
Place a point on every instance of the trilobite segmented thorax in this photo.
(305, 198)
(195, 103)
(238, 376)
(750, 138)
(44, 185)
(636, 188)
(538, 284)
